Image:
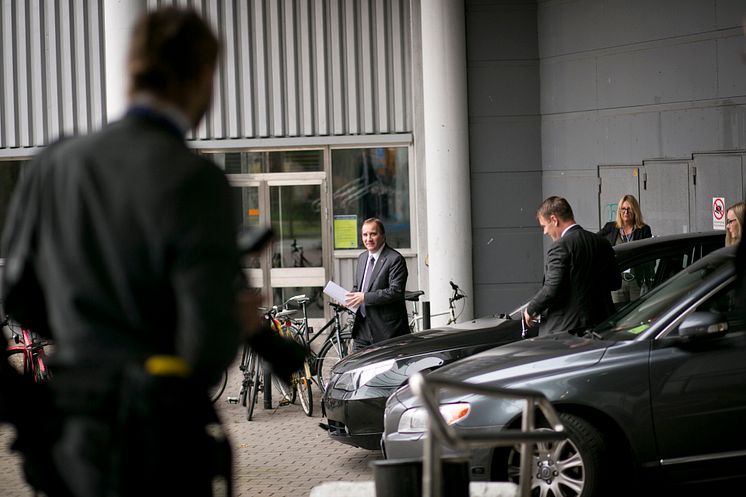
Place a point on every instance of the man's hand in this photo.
(354, 299)
(528, 319)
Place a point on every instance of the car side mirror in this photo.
(702, 324)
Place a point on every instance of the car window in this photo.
(641, 277)
(725, 305)
(637, 317)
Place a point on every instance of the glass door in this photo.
(246, 200)
(298, 255)
(292, 204)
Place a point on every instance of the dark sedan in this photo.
(660, 388)
(361, 383)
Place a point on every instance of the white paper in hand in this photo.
(339, 294)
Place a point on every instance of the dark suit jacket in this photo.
(135, 247)
(385, 307)
(580, 273)
(610, 232)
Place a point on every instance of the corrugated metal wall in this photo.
(51, 55)
(296, 68)
(291, 68)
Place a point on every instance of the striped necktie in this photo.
(366, 280)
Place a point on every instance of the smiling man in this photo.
(579, 275)
(380, 279)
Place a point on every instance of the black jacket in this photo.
(385, 306)
(579, 275)
(610, 232)
(131, 238)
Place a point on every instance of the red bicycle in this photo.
(26, 352)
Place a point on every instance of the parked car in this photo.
(659, 387)
(360, 384)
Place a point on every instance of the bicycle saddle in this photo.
(285, 313)
(413, 296)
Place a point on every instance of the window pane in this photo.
(372, 182)
(246, 203)
(296, 224)
(9, 175)
(292, 161)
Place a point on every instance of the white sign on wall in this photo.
(718, 213)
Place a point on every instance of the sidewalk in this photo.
(280, 453)
(284, 453)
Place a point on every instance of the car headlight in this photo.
(414, 420)
(353, 379)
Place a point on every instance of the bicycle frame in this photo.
(34, 357)
(416, 319)
(309, 337)
(334, 321)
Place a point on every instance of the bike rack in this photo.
(439, 432)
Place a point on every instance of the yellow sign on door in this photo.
(345, 232)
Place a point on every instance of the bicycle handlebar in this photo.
(339, 307)
(458, 294)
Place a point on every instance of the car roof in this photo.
(699, 236)
(713, 239)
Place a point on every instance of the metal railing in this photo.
(438, 431)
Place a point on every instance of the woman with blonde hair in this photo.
(628, 225)
(734, 223)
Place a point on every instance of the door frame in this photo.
(288, 277)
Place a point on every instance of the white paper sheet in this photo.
(338, 293)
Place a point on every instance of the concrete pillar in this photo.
(446, 150)
(119, 16)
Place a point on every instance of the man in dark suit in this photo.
(128, 239)
(579, 275)
(380, 279)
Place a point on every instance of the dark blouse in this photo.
(614, 236)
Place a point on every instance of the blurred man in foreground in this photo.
(121, 245)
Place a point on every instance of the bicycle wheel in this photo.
(254, 386)
(331, 353)
(246, 367)
(288, 392)
(304, 388)
(218, 388)
(302, 378)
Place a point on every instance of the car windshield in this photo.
(637, 317)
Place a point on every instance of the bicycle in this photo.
(415, 324)
(252, 371)
(31, 347)
(215, 391)
(335, 347)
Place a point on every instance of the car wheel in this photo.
(568, 468)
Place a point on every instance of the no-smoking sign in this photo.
(718, 213)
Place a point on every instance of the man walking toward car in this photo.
(380, 279)
(579, 274)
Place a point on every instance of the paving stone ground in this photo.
(280, 453)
